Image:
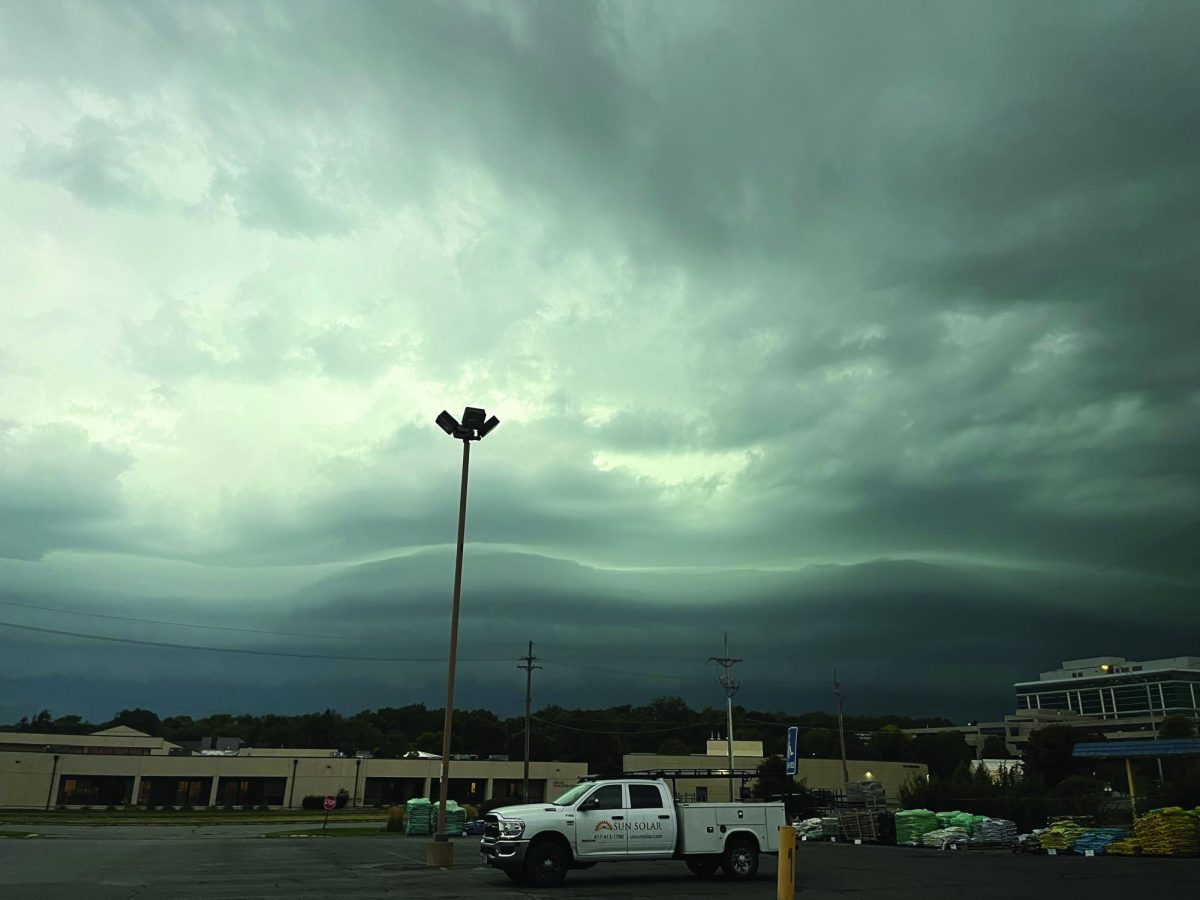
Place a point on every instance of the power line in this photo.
(244, 651)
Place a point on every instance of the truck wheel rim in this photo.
(741, 861)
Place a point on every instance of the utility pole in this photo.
(837, 693)
(528, 665)
(725, 680)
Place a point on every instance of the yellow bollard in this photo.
(785, 882)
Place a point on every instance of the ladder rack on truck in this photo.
(671, 775)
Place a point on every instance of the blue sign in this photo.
(793, 737)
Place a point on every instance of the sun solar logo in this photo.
(604, 826)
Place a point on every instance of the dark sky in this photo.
(864, 332)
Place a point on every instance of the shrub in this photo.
(111, 808)
(343, 797)
(248, 807)
(471, 811)
(312, 801)
(1078, 786)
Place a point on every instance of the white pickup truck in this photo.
(621, 819)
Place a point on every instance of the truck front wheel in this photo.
(704, 866)
(740, 861)
(546, 864)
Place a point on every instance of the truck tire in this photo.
(740, 860)
(703, 866)
(546, 864)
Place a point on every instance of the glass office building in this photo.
(1112, 687)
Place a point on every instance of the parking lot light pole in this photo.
(440, 852)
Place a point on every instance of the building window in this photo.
(504, 788)
(701, 794)
(251, 791)
(95, 790)
(171, 791)
(385, 791)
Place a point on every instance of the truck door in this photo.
(651, 821)
(600, 823)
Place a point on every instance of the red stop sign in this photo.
(330, 802)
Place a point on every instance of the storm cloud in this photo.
(865, 332)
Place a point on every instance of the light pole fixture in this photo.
(475, 426)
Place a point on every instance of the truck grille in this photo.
(491, 826)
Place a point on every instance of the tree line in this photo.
(598, 737)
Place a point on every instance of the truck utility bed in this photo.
(702, 826)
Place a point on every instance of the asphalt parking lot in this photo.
(128, 862)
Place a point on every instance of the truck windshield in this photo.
(574, 794)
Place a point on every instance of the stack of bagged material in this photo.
(941, 838)
(946, 819)
(1030, 843)
(809, 828)
(417, 816)
(829, 826)
(967, 821)
(456, 817)
(1129, 846)
(994, 833)
(1061, 836)
(1098, 839)
(866, 793)
(1170, 831)
(912, 823)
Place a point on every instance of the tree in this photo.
(1177, 727)
(942, 752)
(394, 746)
(822, 743)
(669, 709)
(889, 743)
(1078, 786)
(995, 748)
(819, 742)
(773, 780)
(1048, 754)
(672, 747)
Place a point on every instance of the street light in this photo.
(474, 426)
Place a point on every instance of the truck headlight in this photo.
(512, 828)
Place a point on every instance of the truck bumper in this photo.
(503, 854)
